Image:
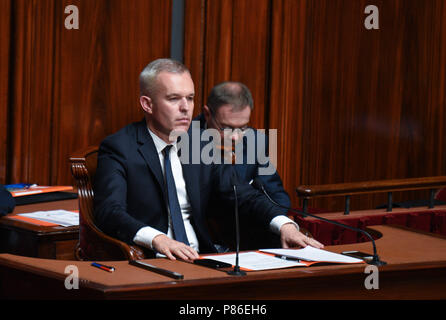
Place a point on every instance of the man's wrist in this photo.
(279, 221)
(144, 237)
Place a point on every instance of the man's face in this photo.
(172, 105)
(226, 120)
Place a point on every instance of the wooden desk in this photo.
(416, 269)
(27, 239)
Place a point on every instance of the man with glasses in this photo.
(228, 110)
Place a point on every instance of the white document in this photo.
(256, 261)
(62, 217)
(310, 253)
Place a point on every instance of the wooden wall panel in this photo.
(5, 38)
(218, 43)
(233, 40)
(250, 53)
(287, 85)
(32, 86)
(98, 71)
(372, 103)
(194, 49)
(71, 88)
(342, 100)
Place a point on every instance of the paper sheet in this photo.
(256, 261)
(312, 254)
(35, 189)
(62, 217)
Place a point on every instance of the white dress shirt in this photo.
(145, 235)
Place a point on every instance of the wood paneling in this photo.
(194, 49)
(287, 87)
(32, 87)
(5, 36)
(98, 71)
(373, 103)
(71, 88)
(250, 52)
(233, 42)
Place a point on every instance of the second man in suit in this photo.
(228, 109)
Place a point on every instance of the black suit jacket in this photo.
(253, 234)
(129, 192)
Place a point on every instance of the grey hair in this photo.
(231, 93)
(147, 78)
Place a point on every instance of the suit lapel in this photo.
(191, 172)
(148, 151)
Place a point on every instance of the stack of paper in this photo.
(310, 253)
(35, 189)
(61, 217)
(269, 259)
(256, 261)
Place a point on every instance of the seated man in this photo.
(7, 202)
(228, 108)
(145, 195)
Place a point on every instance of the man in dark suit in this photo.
(7, 202)
(145, 195)
(228, 110)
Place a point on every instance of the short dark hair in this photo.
(229, 92)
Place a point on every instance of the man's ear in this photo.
(146, 104)
(207, 113)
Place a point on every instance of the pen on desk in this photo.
(101, 266)
(286, 258)
(18, 186)
(155, 269)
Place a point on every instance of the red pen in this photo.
(101, 266)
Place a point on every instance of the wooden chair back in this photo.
(93, 243)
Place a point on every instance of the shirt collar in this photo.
(160, 144)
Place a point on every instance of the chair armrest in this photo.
(93, 243)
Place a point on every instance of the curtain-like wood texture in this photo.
(5, 36)
(64, 89)
(230, 39)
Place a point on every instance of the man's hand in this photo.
(291, 237)
(173, 249)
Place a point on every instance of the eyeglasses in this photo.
(229, 129)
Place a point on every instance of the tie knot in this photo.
(166, 150)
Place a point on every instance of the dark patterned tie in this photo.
(179, 232)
